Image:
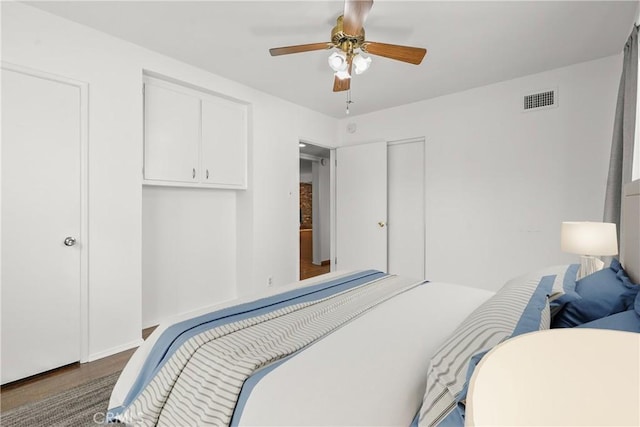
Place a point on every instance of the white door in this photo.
(406, 226)
(41, 210)
(361, 207)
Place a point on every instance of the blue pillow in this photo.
(636, 306)
(602, 293)
(628, 321)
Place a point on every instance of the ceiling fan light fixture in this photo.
(361, 63)
(349, 44)
(342, 75)
(338, 61)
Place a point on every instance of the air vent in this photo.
(540, 100)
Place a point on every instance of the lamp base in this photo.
(588, 265)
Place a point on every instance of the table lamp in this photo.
(589, 240)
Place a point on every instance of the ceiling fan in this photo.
(348, 37)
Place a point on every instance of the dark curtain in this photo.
(624, 127)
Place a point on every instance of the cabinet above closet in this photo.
(193, 138)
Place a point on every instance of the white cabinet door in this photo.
(224, 143)
(361, 207)
(41, 207)
(172, 135)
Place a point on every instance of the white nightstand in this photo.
(559, 377)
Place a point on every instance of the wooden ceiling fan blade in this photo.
(340, 85)
(355, 13)
(286, 50)
(412, 55)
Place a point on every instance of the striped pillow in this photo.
(519, 307)
(564, 284)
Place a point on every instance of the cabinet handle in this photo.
(207, 173)
(194, 173)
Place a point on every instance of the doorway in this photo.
(315, 210)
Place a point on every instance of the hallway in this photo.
(307, 268)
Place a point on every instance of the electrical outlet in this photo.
(270, 281)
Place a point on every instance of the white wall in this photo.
(188, 250)
(265, 216)
(33, 39)
(315, 212)
(500, 181)
(324, 212)
(279, 127)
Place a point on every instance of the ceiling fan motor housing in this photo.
(346, 42)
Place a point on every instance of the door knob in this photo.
(382, 224)
(70, 241)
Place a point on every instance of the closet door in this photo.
(172, 135)
(406, 209)
(361, 207)
(41, 224)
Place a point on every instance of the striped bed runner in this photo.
(201, 382)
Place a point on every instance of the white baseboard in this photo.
(114, 350)
(151, 323)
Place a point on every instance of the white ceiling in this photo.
(469, 44)
(315, 151)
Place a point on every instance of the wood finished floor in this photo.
(41, 386)
(307, 268)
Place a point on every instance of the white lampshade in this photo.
(589, 238)
(338, 61)
(342, 75)
(361, 63)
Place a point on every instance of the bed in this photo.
(378, 361)
(347, 348)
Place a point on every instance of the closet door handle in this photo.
(207, 173)
(193, 175)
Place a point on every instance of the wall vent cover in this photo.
(543, 99)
